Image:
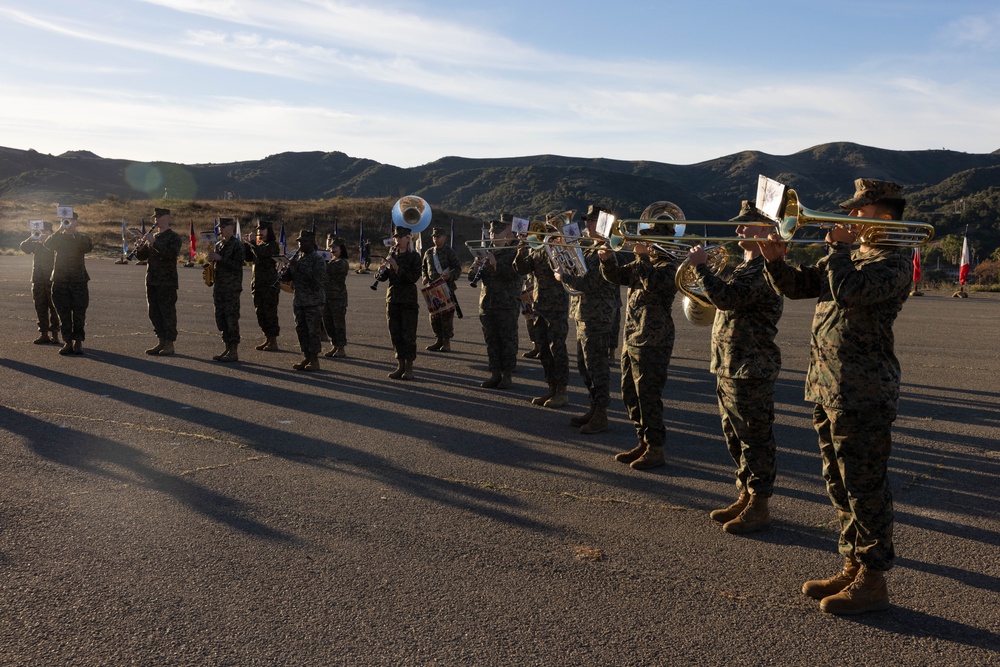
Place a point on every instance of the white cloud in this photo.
(980, 32)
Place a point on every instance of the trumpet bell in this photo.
(412, 212)
(697, 313)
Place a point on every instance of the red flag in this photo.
(192, 240)
(963, 269)
(916, 265)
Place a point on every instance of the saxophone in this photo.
(208, 273)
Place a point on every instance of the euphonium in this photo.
(698, 308)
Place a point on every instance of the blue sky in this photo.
(406, 83)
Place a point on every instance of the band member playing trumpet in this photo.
(160, 249)
(307, 271)
(551, 321)
(439, 261)
(853, 382)
(746, 362)
(594, 310)
(335, 308)
(70, 292)
(262, 252)
(648, 345)
(500, 304)
(41, 284)
(402, 309)
(228, 255)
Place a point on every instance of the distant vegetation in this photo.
(949, 189)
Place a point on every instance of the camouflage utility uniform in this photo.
(746, 362)
(264, 285)
(595, 312)
(160, 256)
(402, 307)
(499, 307)
(335, 308)
(853, 379)
(70, 293)
(648, 341)
(551, 315)
(227, 289)
(436, 261)
(308, 274)
(41, 286)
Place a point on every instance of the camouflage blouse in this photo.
(651, 290)
(852, 363)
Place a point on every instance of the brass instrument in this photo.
(698, 308)
(412, 212)
(875, 231)
(286, 262)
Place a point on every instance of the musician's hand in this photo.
(491, 259)
(697, 256)
(522, 249)
(392, 263)
(557, 275)
(842, 234)
(605, 254)
(641, 249)
(214, 256)
(446, 274)
(773, 248)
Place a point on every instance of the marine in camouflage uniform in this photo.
(647, 347)
(264, 287)
(307, 272)
(853, 381)
(746, 362)
(160, 254)
(41, 286)
(551, 323)
(70, 292)
(228, 255)
(500, 304)
(335, 308)
(594, 310)
(439, 259)
(402, 309)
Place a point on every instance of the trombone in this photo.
(875, 231)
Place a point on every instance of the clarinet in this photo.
(383, 269)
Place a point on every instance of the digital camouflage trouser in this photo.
(162, 304)
(335, 321)
(747, 411)
(71, 301)
(855, 447)
(45, 310)
(592, 364)
(265, 305)
(227, 315)
(402, 319)
(551, 338)
(500, 333)
(309, 328)
(644, 373)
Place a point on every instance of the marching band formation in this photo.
(853, 377)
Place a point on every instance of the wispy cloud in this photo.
(976, 32)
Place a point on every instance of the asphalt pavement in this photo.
(179, 511)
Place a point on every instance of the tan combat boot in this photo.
(329, 353)
(167, 349)
(219, 356)
(446, 345)
(55, 337)
(822, 588)
(42, 339)
(632, 454)
(559, 399)
(651, 458)
(67, 348)
(408, 369)
(339, 352)
(77, 346)
(533, 353)
(435, 346)
(230, 353)
(263, 346)
(868, 592)
(753, 518)
(598, 422)
(312, 363)
(156, 348)
(493, 381)
(729, 513)
(505, 381)
(400, 369)
(580, 420)
(540, 400)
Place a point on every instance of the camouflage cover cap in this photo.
(401, 231)
(160, 212)
(501, 223)
(226, 222)
(305, 235)
(868, 191)
(592, 212)
(749, 214)
(438, 231)
(265, 224)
